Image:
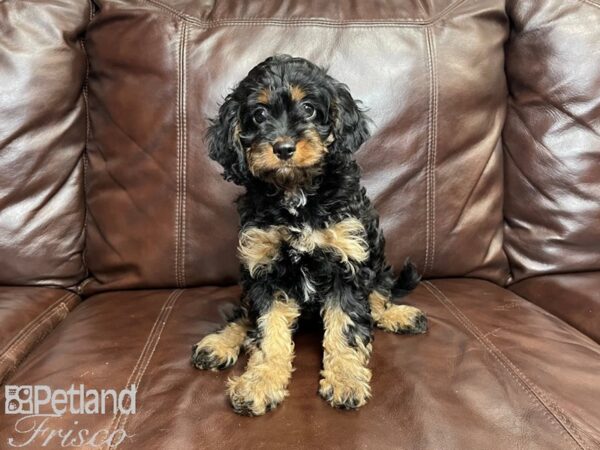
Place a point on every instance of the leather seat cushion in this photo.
(493, 370)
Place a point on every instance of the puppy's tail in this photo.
(406, 281)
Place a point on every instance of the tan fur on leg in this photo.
(263, 385)
(396, 318)
(220, 350)
(345, 375)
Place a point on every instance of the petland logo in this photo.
(39, 405)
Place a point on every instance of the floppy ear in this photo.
(350, 125)
(224, 144)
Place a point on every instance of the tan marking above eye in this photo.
(264, 96)
(297, 93)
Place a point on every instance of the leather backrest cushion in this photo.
(552, 138)
(42, 139)
(430, 73)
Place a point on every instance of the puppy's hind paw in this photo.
(403, 319)
(420, 324)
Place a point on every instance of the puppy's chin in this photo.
(291, 177)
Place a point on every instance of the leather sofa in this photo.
(118, 235)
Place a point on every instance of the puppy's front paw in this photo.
(253, 396)
(212, 353)
(403, 319)
(346, 391)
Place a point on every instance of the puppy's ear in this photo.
(350, 124)
(224, 146)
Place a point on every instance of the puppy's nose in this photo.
(284, 149)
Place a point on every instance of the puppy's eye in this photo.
(308, 110)
(259, 115)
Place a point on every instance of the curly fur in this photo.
(308, 229)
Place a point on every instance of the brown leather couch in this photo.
(118, 236)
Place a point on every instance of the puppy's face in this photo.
(285, 129)
(282, 121)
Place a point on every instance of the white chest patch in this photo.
(294, 201)
(308, 286)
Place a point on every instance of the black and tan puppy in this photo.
(310, 241)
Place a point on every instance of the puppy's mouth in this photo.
(287, 174)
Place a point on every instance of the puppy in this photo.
(310, 242)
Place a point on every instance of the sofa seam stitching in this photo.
(591, 3)
(84, 156)
(166, 315)
(151, 341)
(60, 310)
(184, 155)
(114, 420)
(116, 416)
(60, 313)
(32, 326)
(482, 339)
(427, 184)
(539, 392)
(431, 153)
(533, 391)
(40, 317)
(9, 356)
(178, 160)
(434, 147)
(206, 24)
